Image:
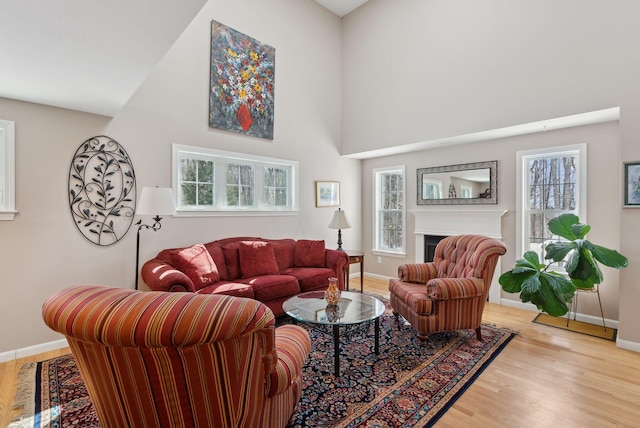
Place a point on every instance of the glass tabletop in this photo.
(353, 308)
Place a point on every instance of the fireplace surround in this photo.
(442, 223)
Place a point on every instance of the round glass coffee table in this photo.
(354, 312)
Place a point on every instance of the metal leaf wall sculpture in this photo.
(102, 190)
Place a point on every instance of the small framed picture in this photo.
(327, 193)
(632, 184)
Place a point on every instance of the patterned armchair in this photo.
(158, 359)
(450, 292)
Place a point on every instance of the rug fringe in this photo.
(25, 396)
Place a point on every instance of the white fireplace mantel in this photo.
(459, 222)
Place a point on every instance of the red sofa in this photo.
(268, 270)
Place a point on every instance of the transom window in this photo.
(208, 181)
(552, 182)
(389, 210)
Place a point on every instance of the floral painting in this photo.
(242, 83)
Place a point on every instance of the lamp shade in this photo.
(339, 220)
(156, 201)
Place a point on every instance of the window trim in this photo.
(376, 201)
(257, 161)
(521, 178)
(8, 208)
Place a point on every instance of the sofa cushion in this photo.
(197, 264)
(285, 251)
(232, 259)
(309, 253)
(311, 278)
(218, 258)
(269, 287)
(257, 258)
(230, 288)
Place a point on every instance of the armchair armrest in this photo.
(161, 276)
(337, 260)
(455, 288)
(293, 345)
(417, 272)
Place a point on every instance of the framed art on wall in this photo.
(327, 193)
(241, 97)
(632, 184)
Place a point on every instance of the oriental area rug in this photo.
(408, 384)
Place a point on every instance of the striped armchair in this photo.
(157, 359)
(450, 292)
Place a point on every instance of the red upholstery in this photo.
(450, 292)
(157, 359)
(252, 274)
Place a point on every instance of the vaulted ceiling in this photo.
(85, 55)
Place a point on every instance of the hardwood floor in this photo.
(545, 377)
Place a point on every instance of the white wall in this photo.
(602, 203)
(436, 69)
(42, 251)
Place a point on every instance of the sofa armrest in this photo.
(420, 273)
(455, 288)
(337, 261)
(161, 276)
(293, 345)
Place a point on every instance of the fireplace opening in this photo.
(430, 242)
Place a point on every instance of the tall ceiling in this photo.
(341, 7)
(89, 56)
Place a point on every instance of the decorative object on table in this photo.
(327, 193)
(452, 190)
(339, 221)
(242, 83)
(332, 312)
(551, 291)
(406, 371)
(153, 201)
(102, 190)
(332, 293)
(632, 184)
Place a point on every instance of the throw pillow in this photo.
(257, 258)
(309, 253)
(197, 264)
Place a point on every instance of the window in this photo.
(389, 210)
(212, 182)
(550, 182)
(431, 189)
(7, 170)
(466, 191)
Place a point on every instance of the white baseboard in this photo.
(374, 275)
(32, 350)
(628, 345)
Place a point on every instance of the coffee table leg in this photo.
(336, 350)
(377, 348)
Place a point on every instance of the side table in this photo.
(355, 256)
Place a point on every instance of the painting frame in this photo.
(327, 194)
(242, 83)
(632, 184)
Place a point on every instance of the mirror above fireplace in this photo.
(464, 184)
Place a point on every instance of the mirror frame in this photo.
(493, 184)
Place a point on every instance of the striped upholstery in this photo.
(158, 359)
(450, 292)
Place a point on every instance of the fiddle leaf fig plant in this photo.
(552, 291)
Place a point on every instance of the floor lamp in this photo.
(339, 221)
(153, 201)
